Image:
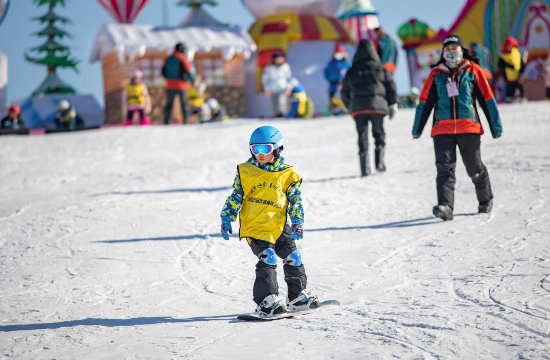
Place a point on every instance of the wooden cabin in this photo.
(218, 55)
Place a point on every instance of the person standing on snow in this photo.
(454, 85)
(336, 71)
(13, 121)
(369, 93)
(547, 77)
(511, 64)
(177, 72)
(265, 192)
(484, 56)
(276, 83)
(387, 49)
(66, 116)
(298, 101)
(135, 98)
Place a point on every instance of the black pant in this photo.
(511, 89)
(445, 160)
(170, 95)
(362, 123)
(266, 275)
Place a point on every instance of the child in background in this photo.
(298, 101)
(13, 121)
(65, 119)
(135, 98)
(547, 77)
(266, 191)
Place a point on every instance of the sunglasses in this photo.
(265, 149)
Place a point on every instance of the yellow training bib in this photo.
(263, 215)
(135, 94)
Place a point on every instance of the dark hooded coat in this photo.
(368, 85)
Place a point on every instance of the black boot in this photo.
(364, 161)
(444, 212)
(379, 159)
(486, 207)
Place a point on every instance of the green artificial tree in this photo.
(57, 55)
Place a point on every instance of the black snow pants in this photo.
(362, 123)
(266, 275)
(184, 99)
(445, 160)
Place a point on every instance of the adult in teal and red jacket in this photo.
(177, 72)
(452, 88)
(387, 49)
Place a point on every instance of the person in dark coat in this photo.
(177, 72)
(369, 93)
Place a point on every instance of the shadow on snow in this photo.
(166, 238)
(113, 322)
(397, 224)
(144, 192)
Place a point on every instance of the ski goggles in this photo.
(265, 149)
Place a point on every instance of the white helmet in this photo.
(294, 82)
(63, 105)
(213, 104)
(415, 90)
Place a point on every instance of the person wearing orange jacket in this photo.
(387, 49)
(455, 83)
(177, 72)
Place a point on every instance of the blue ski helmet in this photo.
(267, 135)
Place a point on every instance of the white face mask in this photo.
(453, 58)
(338, 56)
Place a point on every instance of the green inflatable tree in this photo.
(57, 55)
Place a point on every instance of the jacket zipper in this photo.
(454, 101)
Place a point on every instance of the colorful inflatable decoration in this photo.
(361, 19)
(414, 32)
(306, 31)
(4, 5)
(489, 22)
(263, 8)
(423, 49)
(124, 11)
(274, 33)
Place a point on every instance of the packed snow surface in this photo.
(110, 246)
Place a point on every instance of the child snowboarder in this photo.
(135, 98)
(266, 191)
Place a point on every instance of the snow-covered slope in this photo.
(109, 246)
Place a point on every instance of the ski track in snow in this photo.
(110, 246)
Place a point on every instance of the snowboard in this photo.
(325, 305)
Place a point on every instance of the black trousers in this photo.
(445, 161)
(362, 124)
(266, 275)
(184, 98)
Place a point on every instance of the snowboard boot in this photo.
(303, 302)
(485, 207)
(271, 306)
(127, 122)
(364, 161)
(444, 212)
(379, 159)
